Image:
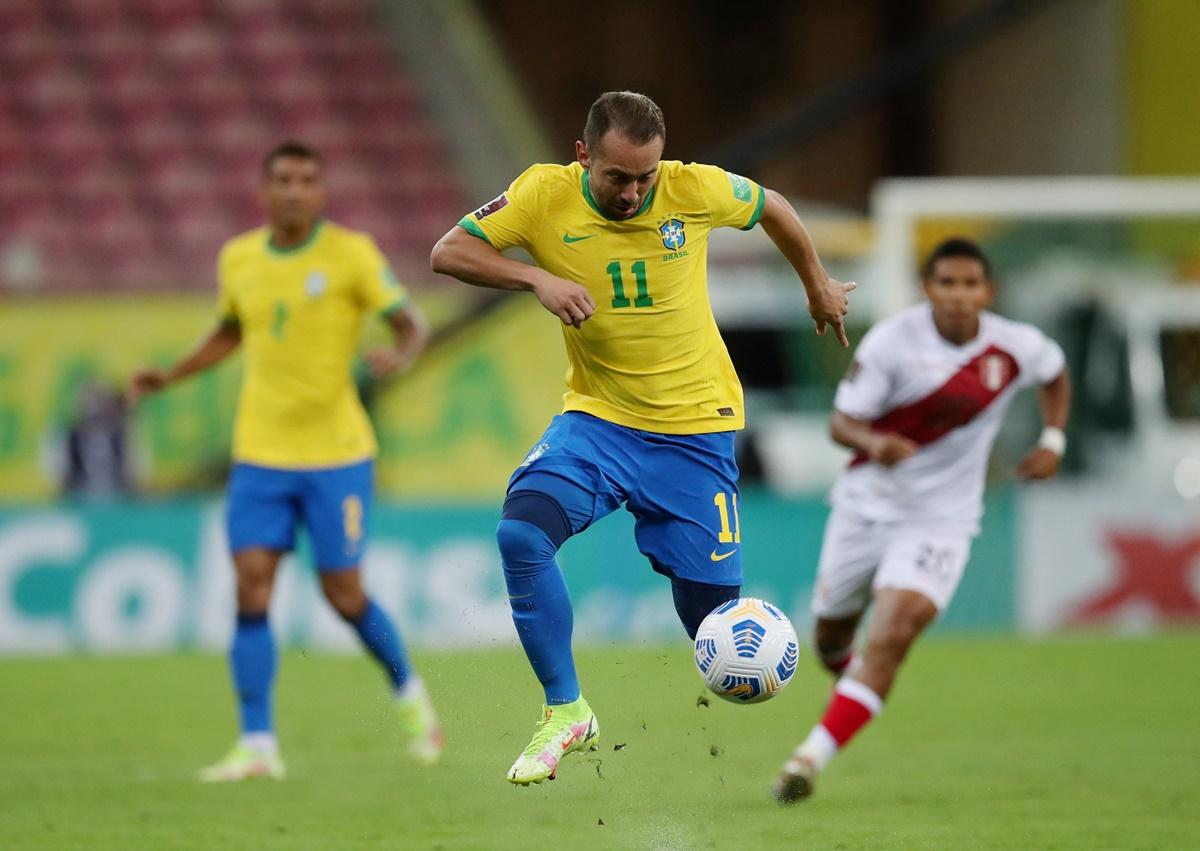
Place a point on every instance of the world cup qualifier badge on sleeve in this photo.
(498, 203)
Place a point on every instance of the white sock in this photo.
(819, 747)
(261, 742)
(413, 687)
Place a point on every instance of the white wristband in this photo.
(1053, 439)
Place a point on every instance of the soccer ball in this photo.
(746, 650)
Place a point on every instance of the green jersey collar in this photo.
(295, 249)
(587, 195)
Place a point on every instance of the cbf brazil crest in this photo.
(672, 234)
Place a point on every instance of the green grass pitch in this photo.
(1080, 742)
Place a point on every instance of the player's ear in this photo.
(990, 286)
(581, 154)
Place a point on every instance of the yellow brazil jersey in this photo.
(300, 312)
(650, 357)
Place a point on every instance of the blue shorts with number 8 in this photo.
(680, 488)
(266, 504)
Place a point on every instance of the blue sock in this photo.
(541, 607)
(252, 660)
(380, 636)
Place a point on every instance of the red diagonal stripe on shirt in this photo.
(964, 395)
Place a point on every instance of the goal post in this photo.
(899, 206)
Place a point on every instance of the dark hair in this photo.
(289, 148)
(957, 246)
(634, 116)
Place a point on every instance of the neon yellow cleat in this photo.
(563, 729)
(243, 763)
(418, 722)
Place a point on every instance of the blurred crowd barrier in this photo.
(157, 577)
(452, 430)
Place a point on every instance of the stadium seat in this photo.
(147, 120)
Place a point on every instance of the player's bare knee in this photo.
(253, 590)
(255, 600)
(347, 598)
(831, 638)
(833, 642)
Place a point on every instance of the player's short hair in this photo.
(633, 115)
(289, 148)
(957, 246)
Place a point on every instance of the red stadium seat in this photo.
(90, 17)
(132, 133)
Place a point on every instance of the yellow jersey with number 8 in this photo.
(300, 311)
(651, 356)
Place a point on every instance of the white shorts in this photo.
(860, 555)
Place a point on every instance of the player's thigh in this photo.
(261, 508)
(578, 464)
(851, 551)
(336, 506)
(686, 506)
(930, 562)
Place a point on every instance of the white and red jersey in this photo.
(949, 399)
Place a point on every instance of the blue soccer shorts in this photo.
(265, 504)
(680, 488)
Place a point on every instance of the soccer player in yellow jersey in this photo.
(620, 239)
(294, 294)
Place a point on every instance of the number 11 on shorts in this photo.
(725, 536)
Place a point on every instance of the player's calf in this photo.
(853, 705)
(694, 601)
(833, 641)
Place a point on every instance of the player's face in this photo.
(620, 173)
(959, 289)
(293, 193)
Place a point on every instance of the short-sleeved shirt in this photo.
(300, 311)
(651, 356)
(908, 379)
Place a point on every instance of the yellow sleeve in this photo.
(512, 218)
(732, 200)
(379, 290)
(226, 305)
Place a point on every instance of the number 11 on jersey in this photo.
(725, 536)
(639, 275)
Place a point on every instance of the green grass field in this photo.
(989, 743)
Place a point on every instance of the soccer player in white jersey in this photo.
(920, 407)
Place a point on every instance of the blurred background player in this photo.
(295, 293)
(921, 406)
(652, 404)
(95, 449)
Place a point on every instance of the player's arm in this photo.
(827, 301)
(475, 261)
(1054, 398)
(411, 334)
(214, 348)
(886, 448)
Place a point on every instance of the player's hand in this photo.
(383, 361)
(143, 383)
(828, 306)
(1039, 464)
(890, 449)
(567, 300)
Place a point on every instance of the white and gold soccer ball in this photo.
(746, 650)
